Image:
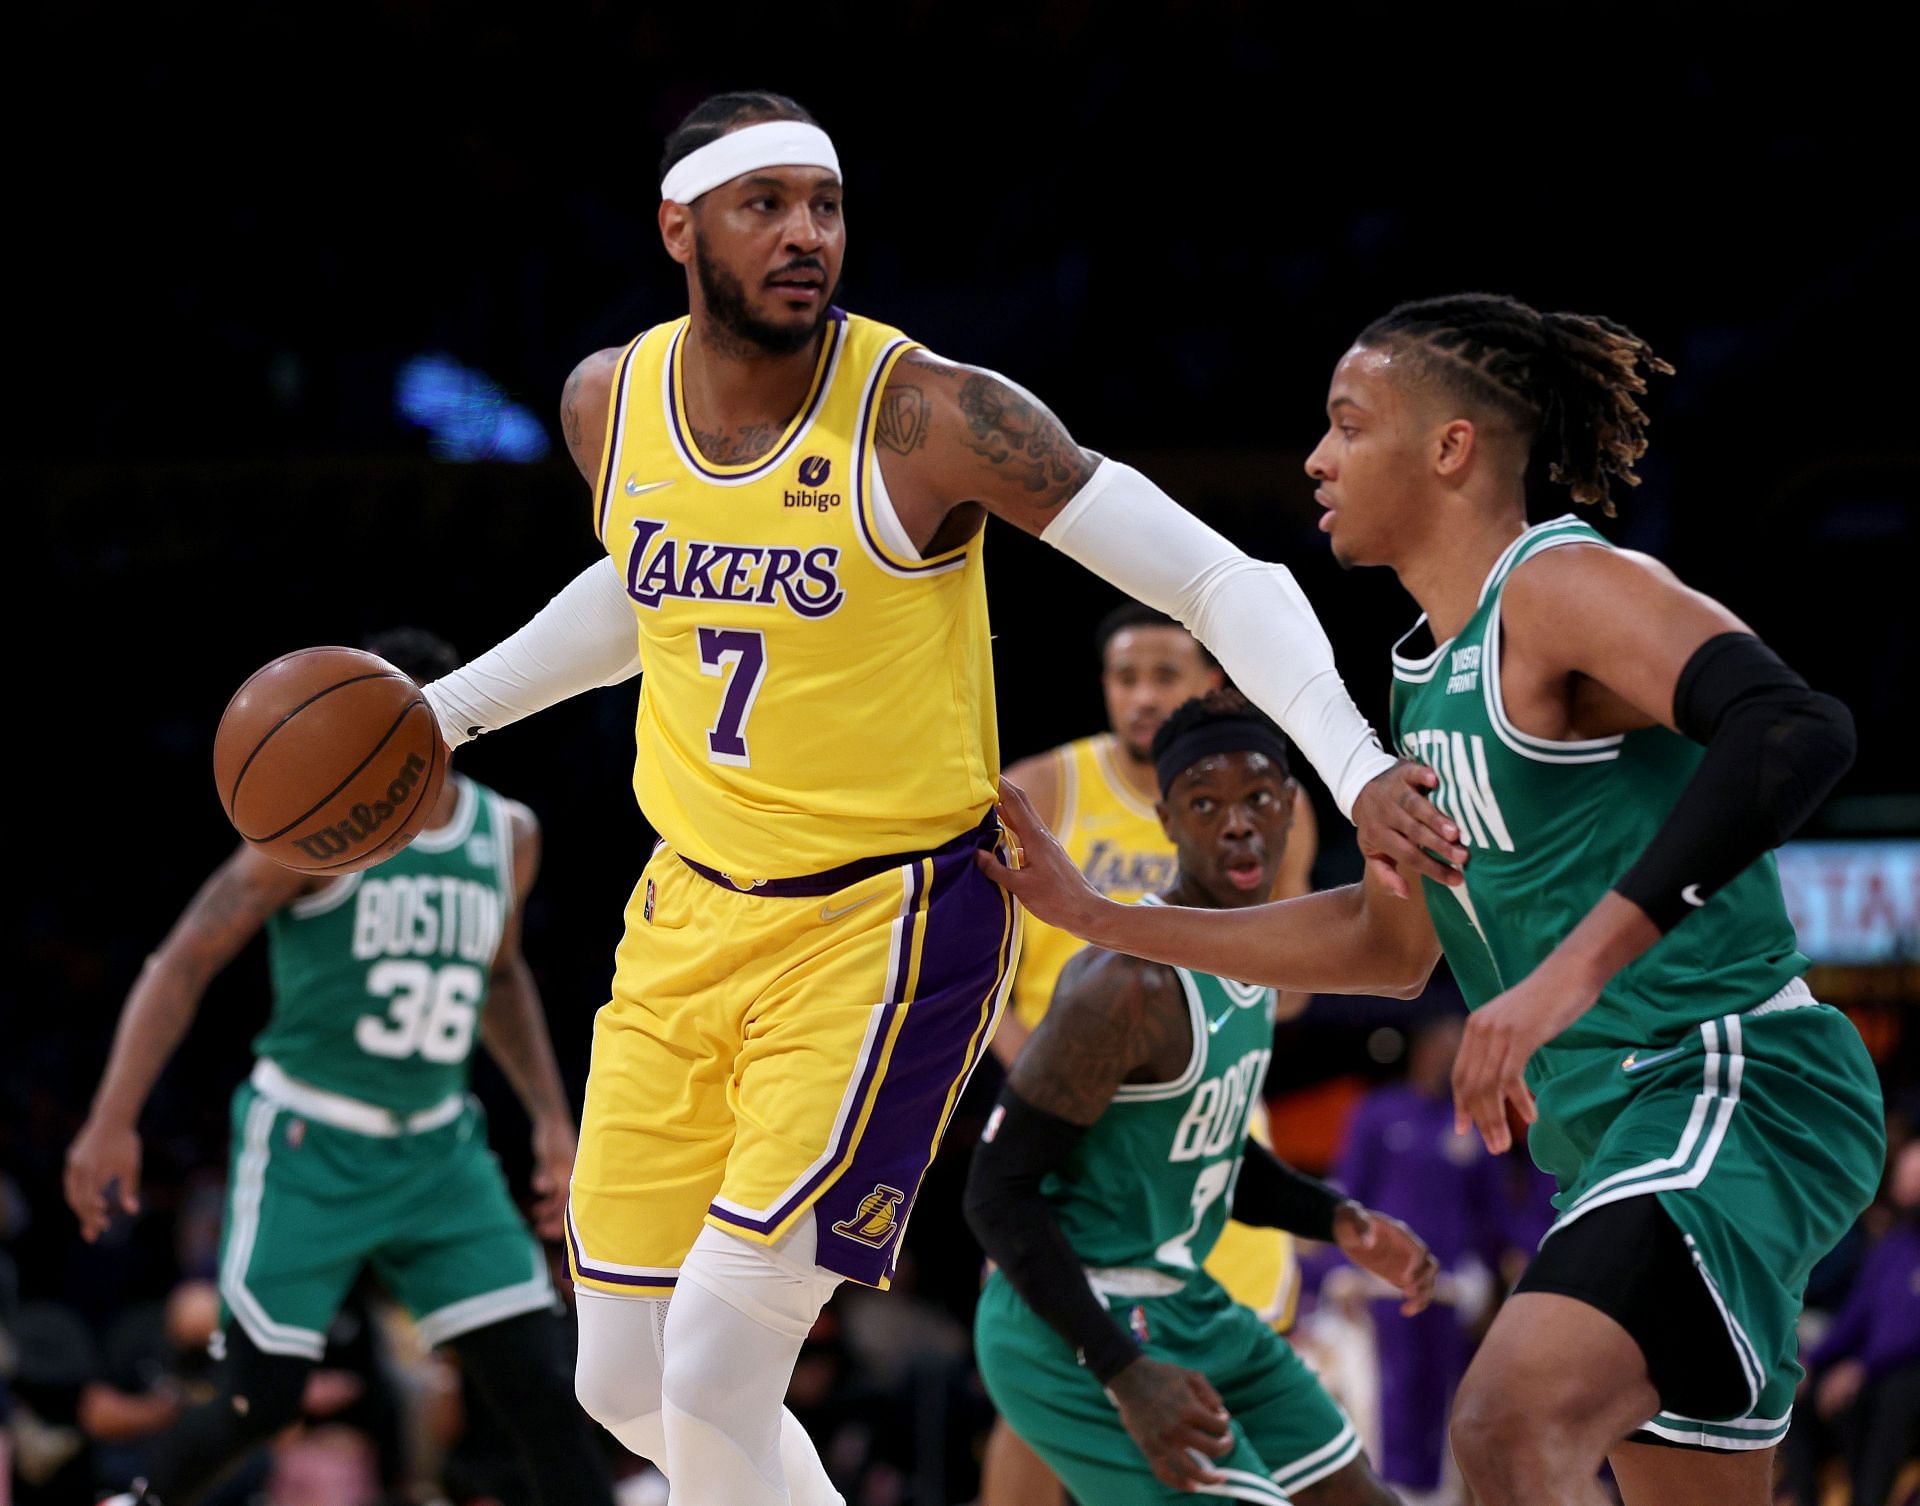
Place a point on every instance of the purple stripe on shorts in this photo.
(612, 1278)
(912, 922)
(969, 929)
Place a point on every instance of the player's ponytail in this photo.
(1574, 379)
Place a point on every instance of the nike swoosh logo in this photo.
(1636, 1062)
(1691, 894)
(635, 489)
(826, 914)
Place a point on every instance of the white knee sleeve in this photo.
(734, 1329)
(617, 1377)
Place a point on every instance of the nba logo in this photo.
(646, 908)
(1137, 1325)
(813, 470)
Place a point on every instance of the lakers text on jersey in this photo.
(813, 692)
(1706, 1074)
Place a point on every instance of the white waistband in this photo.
(1796, 995)
(347, 1113)
(1132, 1281)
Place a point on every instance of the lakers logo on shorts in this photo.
(876, 1219)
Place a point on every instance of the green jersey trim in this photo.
(331, 897)
(1539, 749)
(444, 839)
(1523, 548)
(1150, 1092)
(1419, 671)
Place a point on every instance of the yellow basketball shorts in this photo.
(796, 1046)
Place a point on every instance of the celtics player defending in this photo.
(1109, 1168)
(790, 498)
(355, 1142)
(1099, 794)
(1622, 754)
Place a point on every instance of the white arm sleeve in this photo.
(584, 638)
(1252, 616)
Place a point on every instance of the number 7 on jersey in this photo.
(745, 650)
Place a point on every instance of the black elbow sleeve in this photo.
(1272, 1194)
(1775, 748)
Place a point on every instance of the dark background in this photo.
(235, 222)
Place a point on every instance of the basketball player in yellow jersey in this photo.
(1099, 794)
(790, 499)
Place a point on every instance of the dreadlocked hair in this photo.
(713, 117)
(1575, 378)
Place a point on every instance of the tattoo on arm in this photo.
(1112, 1017)
(1022, 440)
(902, 423)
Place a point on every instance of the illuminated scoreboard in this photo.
(1854, 903)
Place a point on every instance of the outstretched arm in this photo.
(1354, 940)
(1039, 776)
(1271, 1194)
(1619, 640)
(978, 443)
(514, 1031)
(582, 639)
(1111, 1017)
(222, 918)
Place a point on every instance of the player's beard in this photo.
(726, 298)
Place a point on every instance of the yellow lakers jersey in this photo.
(1111, 832)
(813, 692)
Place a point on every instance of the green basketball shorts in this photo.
(1763, 1136)
(1287, 1432)
(310, 1204)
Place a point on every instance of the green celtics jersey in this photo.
(1151, 1182)
(1553, 825)
(379, 978)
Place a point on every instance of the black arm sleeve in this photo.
(1016, 1227)
(1774, 750)
(1272, 1194)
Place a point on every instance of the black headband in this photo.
(1211, 738)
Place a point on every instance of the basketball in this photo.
(328, 760)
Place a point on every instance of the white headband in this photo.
(774, 143)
